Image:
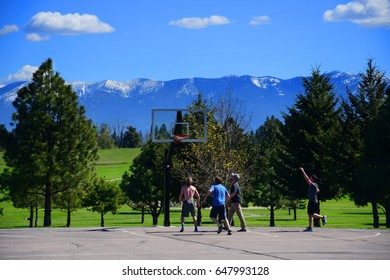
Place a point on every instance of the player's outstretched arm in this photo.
(305, 175)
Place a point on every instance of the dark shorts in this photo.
(188, 207)
(312, 208)
(218, 211)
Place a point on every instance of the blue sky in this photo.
(94, 40)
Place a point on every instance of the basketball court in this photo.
(167, 243)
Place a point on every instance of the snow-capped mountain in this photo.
(132, 101)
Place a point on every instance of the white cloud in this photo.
(8, 29)
(260, 20)
(35, 37)
(69, 24)
(366, 13)
(24, 74)
(198, 23)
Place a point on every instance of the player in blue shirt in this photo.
(220, 198)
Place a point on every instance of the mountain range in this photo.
(131, 102)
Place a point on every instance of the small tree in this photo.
(131, 138)
(69, 201)
(103, 197)
(265, 190)
(104, 137)
(144, 184)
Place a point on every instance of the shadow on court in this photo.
(167, 243)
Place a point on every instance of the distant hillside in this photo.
(131, 102)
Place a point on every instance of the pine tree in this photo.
(144, 183)
(309, 139)
(360, 112)
(265, 191)
(53, 146)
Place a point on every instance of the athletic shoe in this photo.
(241, 230)
(324, 220)
(308, 229)
(229, 232)
(182, 229)
(219, 229)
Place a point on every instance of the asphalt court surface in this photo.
(167, 243)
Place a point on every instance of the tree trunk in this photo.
(102, 219)
(155, 218)
(295, 213)
(387, 213)
(272, 216)
(47, 217)
(68, 218)
(36, 217)
(31, 217)
(142, 215)
(375, 214)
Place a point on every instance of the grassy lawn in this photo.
(341, 214)
(114, 162)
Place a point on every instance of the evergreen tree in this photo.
(360, 124)
(374, 171)
(266, 192)
(377, 159)
(144, 184)
(53, 146)
(309, 138)
(131, 138)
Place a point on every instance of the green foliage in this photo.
(104, 138)
(362, 124)
(309, 138)
(144, 184)
(53, 145)
(131, 138)
(225, 151)
(266, 190)
(103, 197)
(51, 153)
(342, 214)
(376, 159)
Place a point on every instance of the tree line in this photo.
(51, 151)
(119, 136)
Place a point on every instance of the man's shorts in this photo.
(188, 207)
(218, 211)
(312, 207)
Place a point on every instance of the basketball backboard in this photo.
(189, 124)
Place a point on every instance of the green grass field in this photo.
(113, 163)
(341, 214)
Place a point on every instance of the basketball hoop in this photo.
(177, 138)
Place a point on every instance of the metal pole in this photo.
(167, 170)
(167, 187)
